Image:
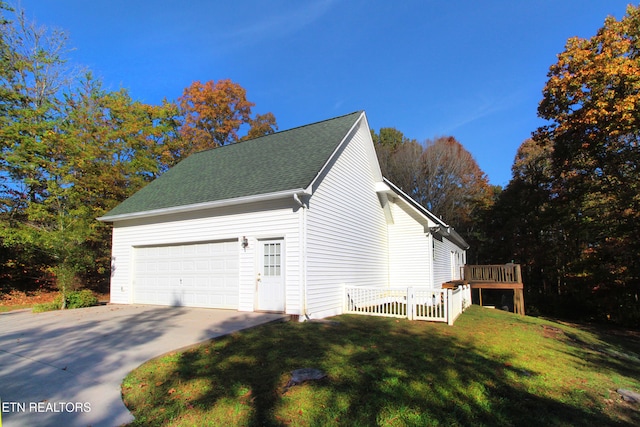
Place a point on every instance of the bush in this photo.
(75, 299)
(48, 306)
(80, 299)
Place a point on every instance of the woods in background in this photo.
(71, 151)
(571, 213)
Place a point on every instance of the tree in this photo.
(69, 154)
(113, 147)
(399, 158)
(452, 185)
(215, 112)
(443, 177)
(592, 100)
(522, 228)
(390, 137)
(33, 70)
(261, 125)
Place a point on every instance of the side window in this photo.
(433, 247)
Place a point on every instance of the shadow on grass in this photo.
(379, 372)
(616, 350)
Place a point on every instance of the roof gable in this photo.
(287, 160)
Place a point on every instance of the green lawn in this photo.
(7, 308)
(491, 368)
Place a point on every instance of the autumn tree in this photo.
(441, 175)
(592, 101)
(452, 185)
(261, 125)
(214, 114)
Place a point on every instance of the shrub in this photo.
(80, 299)
(48, 306)
(75, 299)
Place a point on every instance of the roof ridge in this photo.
(280, 132)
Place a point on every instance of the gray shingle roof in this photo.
(286, 160)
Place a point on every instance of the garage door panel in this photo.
(197, 275)
(203, 265)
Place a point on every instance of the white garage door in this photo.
(192, 275)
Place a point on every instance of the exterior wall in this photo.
(263, 220)
(346, 229)
(448, 260)
(410, 258)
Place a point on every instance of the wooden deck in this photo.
(496, 277)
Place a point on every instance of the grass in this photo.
(17, 300)
(7, 308)
(491, 368)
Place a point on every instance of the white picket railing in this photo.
(436, 305)
(458, 301)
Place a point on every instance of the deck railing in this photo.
(505, 273)
(495, 277)
(436, 305)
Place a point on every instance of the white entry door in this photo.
(271, 276)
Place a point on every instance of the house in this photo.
(278, 223)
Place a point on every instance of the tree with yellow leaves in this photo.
(592, 100)
(214, 113)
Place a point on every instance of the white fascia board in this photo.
(373, 157)
(334, 154)
(415, 205)
(205, 205)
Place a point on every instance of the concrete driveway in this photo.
(65, 368)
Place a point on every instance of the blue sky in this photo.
(467, 68)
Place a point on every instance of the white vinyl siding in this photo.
(270, 219)
(447, 267)
(410, 259)
(346, 229)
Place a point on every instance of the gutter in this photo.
(451, 234)
(205, 205)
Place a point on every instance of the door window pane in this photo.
(272, 259)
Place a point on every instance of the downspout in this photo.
(431, 258)
(303, 255)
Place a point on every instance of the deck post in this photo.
(518, 299)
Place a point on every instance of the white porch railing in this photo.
(436, 305)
